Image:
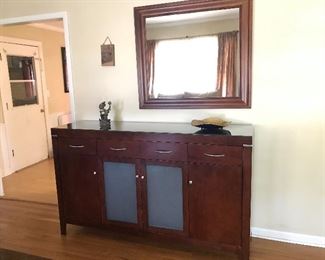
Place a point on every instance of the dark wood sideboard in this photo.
(164, 180)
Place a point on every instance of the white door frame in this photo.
(38, 18)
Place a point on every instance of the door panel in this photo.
(23, 106)
(120, 192)
(165, 197)
(80, 181)
(215, 203)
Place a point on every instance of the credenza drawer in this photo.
(164, 151)
(118, 148)
(77, 145)
(215, 153)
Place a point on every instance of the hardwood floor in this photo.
(34, 229)
(34, 183)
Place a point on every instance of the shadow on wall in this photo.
(118, 108)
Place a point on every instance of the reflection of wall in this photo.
(288, 58)
(183, 30)
(51, 42)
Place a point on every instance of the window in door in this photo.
(22, 80)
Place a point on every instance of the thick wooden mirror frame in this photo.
(245, 7)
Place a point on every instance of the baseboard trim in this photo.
(288, 237)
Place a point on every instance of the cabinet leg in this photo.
(63, 228)
(244, 254)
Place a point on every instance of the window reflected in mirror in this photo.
(193, 55)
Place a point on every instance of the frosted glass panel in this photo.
(165, 197)
(120, 192)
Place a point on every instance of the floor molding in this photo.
(288, 237)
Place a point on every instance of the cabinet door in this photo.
(215, 197)
(164, 193)
(120, 184)
(80, 184)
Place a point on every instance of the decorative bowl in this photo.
(211, 125)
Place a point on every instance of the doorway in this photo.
(38, 101)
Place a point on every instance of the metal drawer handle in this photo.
(118, 149)
(76, 146)
(214, 155)
(164, 151)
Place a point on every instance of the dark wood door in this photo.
(215, 197)
(81, 195)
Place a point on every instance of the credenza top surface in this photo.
(154, 127)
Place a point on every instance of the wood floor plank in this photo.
(33, 183)
(34, 229)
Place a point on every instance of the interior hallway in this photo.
(34, 183)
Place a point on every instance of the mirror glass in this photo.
(193, 55)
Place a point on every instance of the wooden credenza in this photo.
(160, 179)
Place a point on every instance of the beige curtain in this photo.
(227, 67)
(150, 65)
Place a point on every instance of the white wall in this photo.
(288, 189)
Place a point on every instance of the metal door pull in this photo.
(118, 149)
(76, 146)
(164, 151)
(214, 155)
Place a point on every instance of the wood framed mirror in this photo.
(194, 54)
